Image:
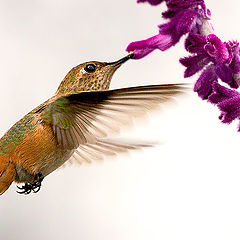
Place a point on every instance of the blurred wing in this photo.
(90, 152)
(83, 118)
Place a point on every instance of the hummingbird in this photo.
(75, 124)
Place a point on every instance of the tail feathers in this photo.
(7, 175)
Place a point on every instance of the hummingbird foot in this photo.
(35, 186)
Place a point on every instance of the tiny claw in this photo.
(28, 191)
(35, 190)
(23, 192)
(32, 187)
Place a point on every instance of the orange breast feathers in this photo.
(7, 173)
(35, 149)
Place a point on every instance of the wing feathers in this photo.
(85, 117)
(96, 152)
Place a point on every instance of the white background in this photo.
(187, 188)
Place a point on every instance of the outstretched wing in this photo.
(90, 152)
(83, 118)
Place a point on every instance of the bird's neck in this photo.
(75, 88)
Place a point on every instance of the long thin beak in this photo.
(122, 60)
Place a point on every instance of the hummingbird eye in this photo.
(90, 68)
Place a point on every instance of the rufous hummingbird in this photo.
(74, 124)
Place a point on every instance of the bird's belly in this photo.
(38, 151)
(56, 161)
(49, 164)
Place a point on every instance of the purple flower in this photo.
(152, 2)
(228, 101)
(213, 59)
(194, 64)
(183, 17)
(211, 46)
(215, 48)
(175, 6)
(210, 49)
(180, 24)
(234, 62)
(221, 94)
(144, 47)
(203, 85)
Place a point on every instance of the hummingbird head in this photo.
(90, 76)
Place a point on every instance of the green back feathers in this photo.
(67, 85)
(15, 134)
(58, 113)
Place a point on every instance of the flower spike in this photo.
(213, 59)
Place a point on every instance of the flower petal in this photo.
(224, 73)
(235, 64)
(183, 4)
(194, 43)
(194, 64)
(142, 48)
(168, 14)
(210, 49)
(186, 21)
(221, 93)
(230, 109)
(203, 86)
(182, 23)
(219, 51)
(175, 6)
(233, 49)
(152, 2)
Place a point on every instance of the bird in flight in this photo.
(75, 124)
